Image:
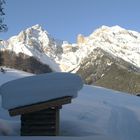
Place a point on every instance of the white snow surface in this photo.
(97, 113)
(12, 74)
(63, 56)
(39, 88)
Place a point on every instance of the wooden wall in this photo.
(41, 123)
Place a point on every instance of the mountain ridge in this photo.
(35, 41)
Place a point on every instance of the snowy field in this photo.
(96, 114)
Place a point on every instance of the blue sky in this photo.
(65, 19)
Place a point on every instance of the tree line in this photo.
(23, 62)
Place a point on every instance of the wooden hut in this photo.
(41, 119)
(38, 99)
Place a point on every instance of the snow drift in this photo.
(39, 88)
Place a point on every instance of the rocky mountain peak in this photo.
(37, 27)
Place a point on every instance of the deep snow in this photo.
(39, 88)
(97, 113)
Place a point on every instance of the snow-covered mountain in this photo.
(97, 113)
(63, 56)
(35, 42)
(116, 41)
(93, 57)
(113, 59)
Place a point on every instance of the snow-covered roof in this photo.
(39, 88)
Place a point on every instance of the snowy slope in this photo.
(63, 56)
(12, 74)
(97, 113)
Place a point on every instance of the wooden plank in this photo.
(41, 118)
(40, 106)
(41, 128)
(42, 112)
(57, 122)
(39, 115)
(37, 124)
(38, 134)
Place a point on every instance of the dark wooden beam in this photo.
(40, 106)
(57, 122)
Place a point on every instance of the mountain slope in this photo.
(103, 70)
(23, 62)
(114, 61)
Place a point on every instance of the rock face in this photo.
(104, 70)
(80, 39)
(104, 48)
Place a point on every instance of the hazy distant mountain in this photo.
(109, 57)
